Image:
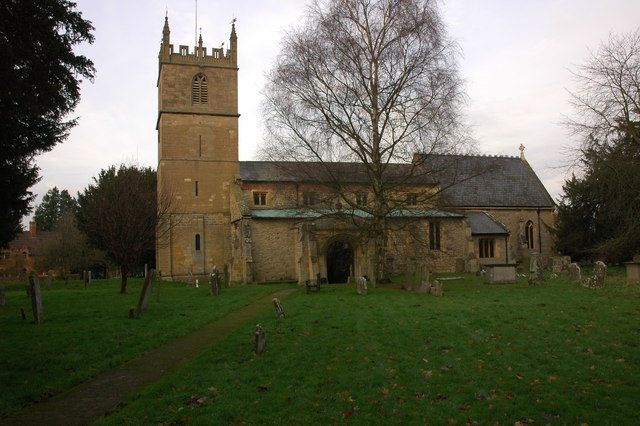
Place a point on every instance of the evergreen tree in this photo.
(54, 204)
(40, 77)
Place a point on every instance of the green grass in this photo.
(553, 354)
(87, 331)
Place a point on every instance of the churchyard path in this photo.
(92, 399)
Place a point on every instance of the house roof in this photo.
(465, 180)
(483, 224)
(318, 213)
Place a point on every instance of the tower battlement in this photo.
(199, 55)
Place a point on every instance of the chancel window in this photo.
(361, 198)
(308, 198)
(197, 242)
(486, 248)
(434, 235)
(259, 198)
(528, 234)
(199, 92)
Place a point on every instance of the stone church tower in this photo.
(197, 154)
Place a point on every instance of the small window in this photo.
(260, 198)
(197, 242)
(199, 93)
(196, 188)
(434, 235)
(528, 234)
(412, 199)
(486, 247)
(308, 198)
(361, 198)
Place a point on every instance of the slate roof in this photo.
(483, 224)
(465, 180)
(316, 213)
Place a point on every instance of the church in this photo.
(264, 220)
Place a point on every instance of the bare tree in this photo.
(372, 82)
(607, 99)
(120, 214)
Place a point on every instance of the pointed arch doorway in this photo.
(339, 261)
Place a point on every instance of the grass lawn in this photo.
(553, 354)
(87, 331)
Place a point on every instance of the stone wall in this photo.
(273, 250)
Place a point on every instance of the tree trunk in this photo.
(123, 279)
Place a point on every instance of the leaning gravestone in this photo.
(596, 280)
(3, 300)
(36, 298)
(143, 301)
(361, 286)
(260, 342)
(574, 272)
(214, 280)
(278, 307)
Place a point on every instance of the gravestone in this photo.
(596, 280)
(557, 264)
(49, 279)
(143, 301)
(226, 275)
(536, 274)
(3, 299)
(278, 307)
(424, 288)
(214, 280)
(436, 289)
(633, 272)
(36, 299)
(574, 272)
(501, 274)
(361, 286)
(260, 342)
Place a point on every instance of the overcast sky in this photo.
(517, 60)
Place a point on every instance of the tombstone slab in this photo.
(36, 299)
(633, 272)
(214, 281)
(501, 274)
(277, 304)
(361, 286)
(596, 280)
(260, 342)
(574, 272)
(436, 289)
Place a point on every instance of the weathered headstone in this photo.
(36, 299)
(436, 289)
(278, 307)
(3, 300)
(49, 279)
(556, 265)
(536, 274)
(574, 272)
(596, 280)
(214, 280)
(633, 272)
(361, 286)
(425, 287)
(143, 301)
(260, 342)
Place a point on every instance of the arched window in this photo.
(528, 234)
(197, 242)
(199, 89)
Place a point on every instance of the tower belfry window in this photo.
(199, 92)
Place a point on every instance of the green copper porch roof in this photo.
(318, 213)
